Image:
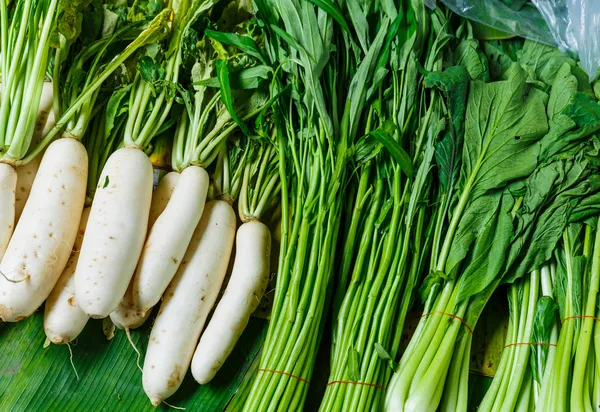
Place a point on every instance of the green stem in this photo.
(155, 25)
(587, 328)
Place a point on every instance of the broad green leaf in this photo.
(454, 84)
(553, 193)
(504, 121)
(488, 252)
(467, 55)
(573, 115)
(498, 60)
(545, 61)
(36, 378)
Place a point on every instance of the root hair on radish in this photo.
(179, 408)
(71, 360)
(139, 355)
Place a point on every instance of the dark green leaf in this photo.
(395, 150)
(250, 78)
(115, 107)
(333, 10)
(93, 21)
(69, 17)
(543, 322)
(384, 355)
(226, 96)
(498, 60)
(151, 72)
(244, 43)
(489, 229)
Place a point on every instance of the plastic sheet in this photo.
(572, 25)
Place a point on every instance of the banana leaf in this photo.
(34, 378)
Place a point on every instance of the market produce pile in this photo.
(414, 168)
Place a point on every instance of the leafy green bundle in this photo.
(299, 40)
(508, 209)
(388, 216)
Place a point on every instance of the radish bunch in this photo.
(92, 238)
(43, 239)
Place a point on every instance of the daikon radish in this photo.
(14, 190)
(8, 182)
(161, 196)
(169, 238)
(26, 173)
(63, 319)
(251, 267)
(43, 239)
(246, 287)
(115, 232)
(126, 316)
(188, 301)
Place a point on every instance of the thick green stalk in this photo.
(582, 353)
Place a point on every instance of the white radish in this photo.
(161, 196)
(127, 315)
(188, 301)
(8, 182)
(115, 233)
(63, 319)
(25, 178)
(43, 239)
(245, 289)
(169, 238)
(26, 173)
(11, 200)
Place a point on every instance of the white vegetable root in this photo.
(13, 191)
(8, 182)
(115, 233)
(161, 196)
(26, 173)
(63, 319)
(169, 238)
(245, 289)
(43, 239)
(188, 301)
(127, 315)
